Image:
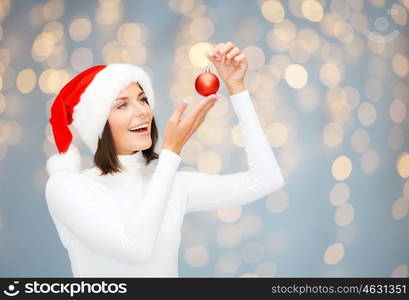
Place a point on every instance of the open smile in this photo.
(141, 132)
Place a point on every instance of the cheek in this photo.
(150, 114)
(118, 125)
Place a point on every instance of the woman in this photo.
(118, 219)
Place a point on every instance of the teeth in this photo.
(138, 127)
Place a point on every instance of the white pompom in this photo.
(69, 161)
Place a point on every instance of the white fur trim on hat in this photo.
(69, 161)
(93, 109)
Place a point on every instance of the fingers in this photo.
(214, 52)
(223, 50)
(224, 53)
(201, 109)
(203, 105)
(179, 111)
(208, 104)
(196, 117)
(226, 47)
(239, 59)
(231, 54)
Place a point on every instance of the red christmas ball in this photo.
(207, 83)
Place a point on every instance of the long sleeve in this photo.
(209, 192)
(87, 212)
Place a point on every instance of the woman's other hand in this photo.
(178, 131)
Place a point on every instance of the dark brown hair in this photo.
(105, 157)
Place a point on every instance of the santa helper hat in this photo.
(86, 102)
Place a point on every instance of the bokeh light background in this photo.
(328, 78)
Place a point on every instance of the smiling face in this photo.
(130, 110)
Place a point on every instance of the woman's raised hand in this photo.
(231, 65)
(178, 131)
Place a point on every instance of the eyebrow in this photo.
(124, 98)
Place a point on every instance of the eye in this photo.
(144, 99)
(119, 107)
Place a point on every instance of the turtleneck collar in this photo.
(132, 162)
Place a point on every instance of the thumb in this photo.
(180, 109)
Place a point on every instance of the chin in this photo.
(144, 146)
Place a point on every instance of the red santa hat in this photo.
(85, 102)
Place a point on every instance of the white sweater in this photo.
(129, 224)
